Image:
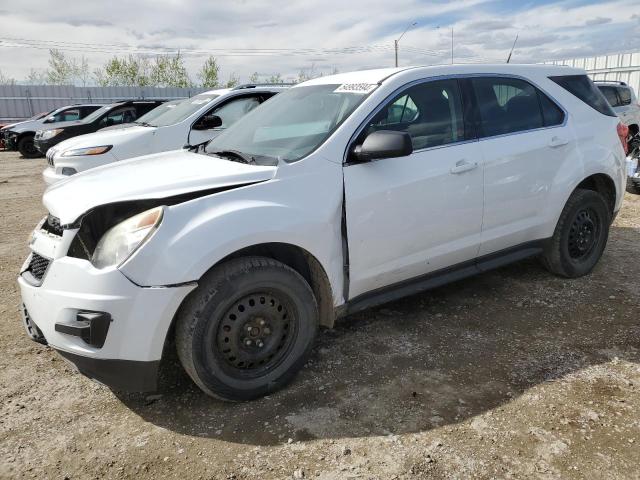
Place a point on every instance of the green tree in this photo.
(169, 71)
(233, 81)
(275, 78)
(62, 70)
(37, 77)
(5, 80)
(131, 71)
(209, 73)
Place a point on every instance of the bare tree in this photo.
(5, 80)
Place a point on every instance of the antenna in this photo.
(512, 47)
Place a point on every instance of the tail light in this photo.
(623, 133)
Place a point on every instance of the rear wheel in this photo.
(27, 148)
(248, 328)
(580, 235)
(632, 187)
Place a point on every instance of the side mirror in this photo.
(208, 122)
(384, 144)
(50, 119)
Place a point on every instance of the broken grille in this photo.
(38, 266)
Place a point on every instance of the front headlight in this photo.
(77, 152)
(47, 134)
(119, 242)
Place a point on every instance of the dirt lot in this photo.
(514, 373)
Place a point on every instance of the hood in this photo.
(70, 123)
(26, 126)
(104, 137)
(155, 176)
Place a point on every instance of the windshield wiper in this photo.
(235, 154)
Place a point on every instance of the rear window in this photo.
(611, 95)
(583, 88)
(625, 96)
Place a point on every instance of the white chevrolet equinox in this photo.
(339, 194)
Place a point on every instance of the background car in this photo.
(112, 114)
(19, 136)
(624, 102)
(192, 121)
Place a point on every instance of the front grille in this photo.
(38, 266)
(50, 154)
(52, 225)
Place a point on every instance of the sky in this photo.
(316, 36)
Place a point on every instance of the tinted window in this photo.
(611, 95)
(506, 105)
(430, 112)
(118, 116)
(583, 88)
(233, 110)
(625, 95)
(551, 113)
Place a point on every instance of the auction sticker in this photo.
(360, 88)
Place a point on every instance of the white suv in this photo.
(341, 193)
(170, 126)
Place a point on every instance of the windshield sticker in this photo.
(200, 101)
(360, 88)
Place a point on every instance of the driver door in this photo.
(229, 112)
(418, 214)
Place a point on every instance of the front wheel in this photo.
(580, 235)
(27, 148)
(248, 328)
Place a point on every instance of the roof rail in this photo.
(254, 85)
(617, 82)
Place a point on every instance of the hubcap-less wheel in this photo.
(583, 234)
(255, 334)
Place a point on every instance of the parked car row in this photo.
(168, 127)
(288, 211)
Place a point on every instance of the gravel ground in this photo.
(514, 373)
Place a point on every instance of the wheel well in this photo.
(305, 264)
(633, 129)
(602, 184)
(25, 134)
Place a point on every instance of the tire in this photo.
(27, 148)
(247, 329)
(632, 187)
(580, 235)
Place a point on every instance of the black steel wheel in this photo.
(27, 148)
(580, 235)
(247, 329)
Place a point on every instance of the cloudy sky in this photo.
(284, 37)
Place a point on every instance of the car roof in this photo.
(379, 75)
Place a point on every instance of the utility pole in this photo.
(397, 41)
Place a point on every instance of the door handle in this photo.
(557, 141)
(463, 166)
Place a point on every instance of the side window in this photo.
(124, 115)
(69, 115)
(235, 109)
(625, 96)
(551, 113)
(583, 88)
(506, 105)
(430, 112)
(611, 95)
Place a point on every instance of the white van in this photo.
(190, 122)
(339, 194)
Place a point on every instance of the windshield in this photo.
(91, 117)
(182, 110)
(159, 110)
(292, 124)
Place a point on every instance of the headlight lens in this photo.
(119, 242)
(47, 134)
(77, 152)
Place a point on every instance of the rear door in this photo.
(414, 215)
(524, 141)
